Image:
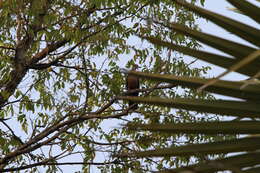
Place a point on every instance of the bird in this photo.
(132, 83)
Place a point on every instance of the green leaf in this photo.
(222, 107)
(226, 127)
(74, 98)
(228, 146)
(238, 161)
(247, 8)
(252, 170)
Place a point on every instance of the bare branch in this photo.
(7, 47)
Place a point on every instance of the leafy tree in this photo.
(60, 75)
(244, 110)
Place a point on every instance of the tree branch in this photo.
(50, 48)
(7, 47)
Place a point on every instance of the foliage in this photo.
(243, 151)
